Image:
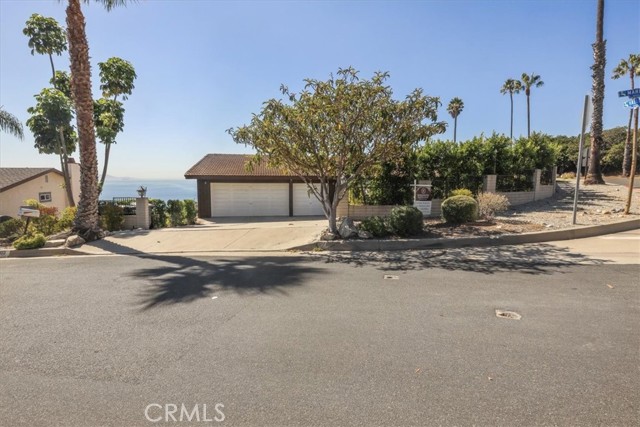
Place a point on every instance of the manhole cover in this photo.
(390, 277)
(508, 315)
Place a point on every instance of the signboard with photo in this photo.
(423, 197)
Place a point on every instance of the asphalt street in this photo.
(363, 339)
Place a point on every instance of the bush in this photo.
(66, 219)
(176, 212)
(376, 225)
(459, 209)
(190, 211)
(406, 221)
(112, 216)
(461, 192)
(47, 223)
(158, 213)
(29, 241)
(12, 228)
(568, 175)
(489, 204)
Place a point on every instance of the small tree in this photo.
(336, 130)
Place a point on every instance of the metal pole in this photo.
(579, 168)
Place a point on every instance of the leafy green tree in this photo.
(50, 117)
(47, 37)
(630, 67)
(511, 86)
(10, 124)
(87, 222)
(336, 130)
(594, 174)
(454, 108)
(528, 81)
(116, 77)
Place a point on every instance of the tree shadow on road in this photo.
(182, 280)
(525, 259)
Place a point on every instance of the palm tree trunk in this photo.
(86, 223)
(594, 174)
(455, 128)
(511, 133)
(626, 162)
(528, 118)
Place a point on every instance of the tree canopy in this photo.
(336, 130)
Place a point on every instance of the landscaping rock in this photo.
(327, 235)
(347, 229)
(362, 234)
(61, 235)
(54, 243)
(73, 241)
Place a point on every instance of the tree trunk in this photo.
(594, 174)
(455, 128)
(634, 159)
(626, 162)
(528, 118)
(107, 150)
(86, 223)
(511, 133)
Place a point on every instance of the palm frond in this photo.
(10, 124)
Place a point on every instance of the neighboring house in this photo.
(45, 185)
(226, 188)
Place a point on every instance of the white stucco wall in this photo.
(13, 198)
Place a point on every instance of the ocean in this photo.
(163, 189)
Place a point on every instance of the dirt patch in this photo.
(438, 229)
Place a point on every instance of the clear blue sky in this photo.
(205, 66)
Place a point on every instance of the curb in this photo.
(37, 253)
(509, 239)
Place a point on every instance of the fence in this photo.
(530, 188)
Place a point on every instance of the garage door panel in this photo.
(305, 203)
(249, 199)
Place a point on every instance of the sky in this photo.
(205, 66)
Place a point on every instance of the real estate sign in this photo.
(423, 198)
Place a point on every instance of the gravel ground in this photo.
(597, 204)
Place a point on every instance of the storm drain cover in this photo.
(508, 315)
(390, 277)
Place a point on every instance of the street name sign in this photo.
(631, 93)
(632, 103)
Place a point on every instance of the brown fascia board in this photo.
(15, 184)
(247, 178)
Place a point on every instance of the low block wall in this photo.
(519, 197)
(359, 212)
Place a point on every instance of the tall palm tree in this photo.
(528, 81)
(86, 223)
(10, 124)
(629, 67)
(455, 108)
(511, 86)
(594, 174)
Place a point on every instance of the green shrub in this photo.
(30, 241)
(176, 212)
(47, 223)
(459, 209)
(66, 219)
(462, 192)
(112, 216)
(489, 204)
(12, 228)
(376, 225)
(190, 211)
(158, 213)
(406, 221)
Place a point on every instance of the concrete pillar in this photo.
(489, 183)
(143, 218)
(537, 174)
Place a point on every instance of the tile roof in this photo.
(11, 177)
(230, 165)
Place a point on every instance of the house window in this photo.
(45, 197)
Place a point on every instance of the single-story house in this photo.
(45, 185)
(227, 188)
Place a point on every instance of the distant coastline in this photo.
(163, 189)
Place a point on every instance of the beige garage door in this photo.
(305, 204)
(247, 199)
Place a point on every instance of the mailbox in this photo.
(29, 212)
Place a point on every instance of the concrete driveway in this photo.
(215, 235)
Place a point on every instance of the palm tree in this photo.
(10, 124)
(86, 223)
(529, 81)
(629, 67)
(455, 108)
(511, 86)
(594, 175)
